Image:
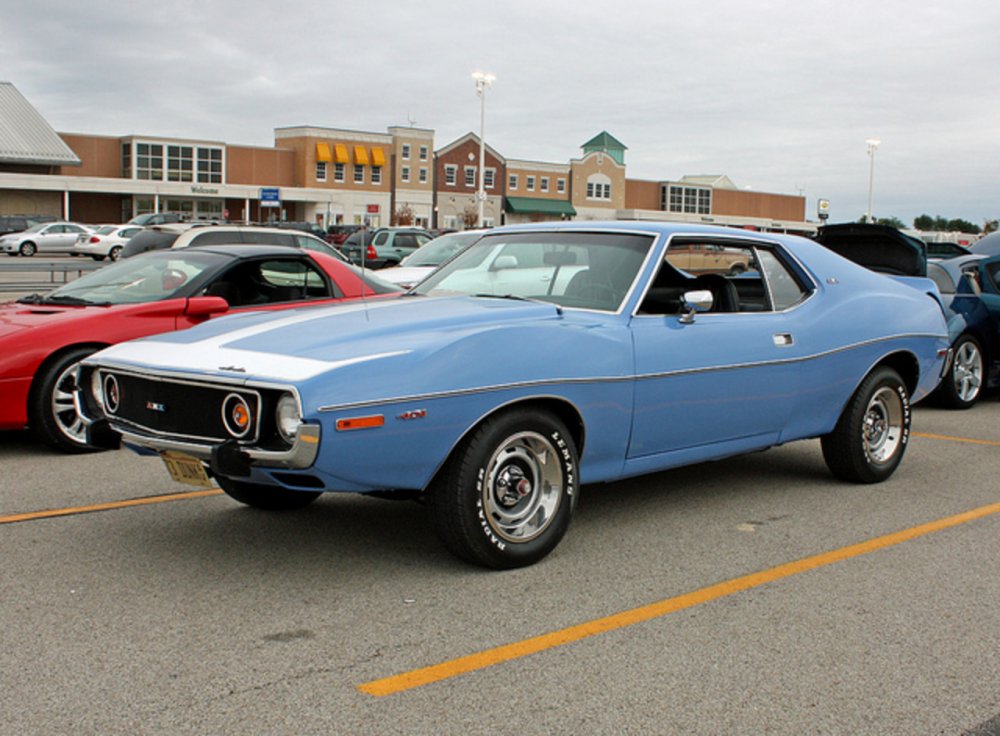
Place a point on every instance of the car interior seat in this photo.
(228, 290)
(725, 298)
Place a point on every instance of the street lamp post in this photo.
(872, 145)
(483, 82)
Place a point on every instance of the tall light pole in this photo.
(872, 145)
(483, 82)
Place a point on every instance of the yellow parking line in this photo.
(50, 513)
(507, 652)
(967, 440)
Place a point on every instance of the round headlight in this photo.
(288, 417)
(236, 415)
(111, 393)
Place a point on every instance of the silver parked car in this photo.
(107, 241)
(45, 237)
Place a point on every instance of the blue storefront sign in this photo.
(270, 197)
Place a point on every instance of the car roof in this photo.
(240, 250)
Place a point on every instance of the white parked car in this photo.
(428, 257)
(45, 237)
(106, 241)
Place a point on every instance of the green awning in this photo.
(538, 206)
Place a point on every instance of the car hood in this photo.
(297, 345)
(876, 247)
(404, 275)
(16, 317)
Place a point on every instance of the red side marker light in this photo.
(345, 425)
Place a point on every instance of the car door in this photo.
(50, 238)
(988, 281)
(713, 382)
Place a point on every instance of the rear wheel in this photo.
(961, 388)
(268, 498)
(871, 435)
(506, 497)
(52, 412)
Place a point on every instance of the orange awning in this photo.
(360, 155)
(323, 152)
(340, 153)
(378, 157)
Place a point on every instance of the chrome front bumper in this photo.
(302, 454)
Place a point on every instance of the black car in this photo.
(20, 223)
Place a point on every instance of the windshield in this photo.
(146, 278)
(35, 228)
(581, 270)
(439, 250)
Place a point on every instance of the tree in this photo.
(941, 224)
(990, 226)
(887, 221)
(470, 216)
(403, 215)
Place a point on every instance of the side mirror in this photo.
(695, 301)
(205, 306)
(502, 263)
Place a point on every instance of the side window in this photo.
(421, 239)
(214, 237)
(993, 271)
(264, 238)
(741, 277)
(272, 281)
(785, 289)
(405, 240)
(381, 238)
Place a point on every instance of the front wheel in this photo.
(961, 388)
(871, 435)
(52, 412)
(115, 253)
(28, 249)
(506, 496)
(268, 498)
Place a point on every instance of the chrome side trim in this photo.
(612, 379)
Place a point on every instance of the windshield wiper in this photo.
(35, 298)
(514, 297)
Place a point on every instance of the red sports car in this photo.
(44, 336)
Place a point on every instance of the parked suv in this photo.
(184, 235)
(387, 246)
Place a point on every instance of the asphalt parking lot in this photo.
(754, 595)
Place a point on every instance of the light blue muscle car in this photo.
(541, 358)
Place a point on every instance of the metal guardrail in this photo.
(51, 273)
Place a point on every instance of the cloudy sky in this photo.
(778, 95)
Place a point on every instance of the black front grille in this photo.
(176, 407)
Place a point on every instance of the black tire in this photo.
(485, 518)
(115, 253)
(27, 248)
(96, 258)
(268, 498)
(963, 385)
(871, 435)
(52, 415)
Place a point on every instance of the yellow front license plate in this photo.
(185, 469)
